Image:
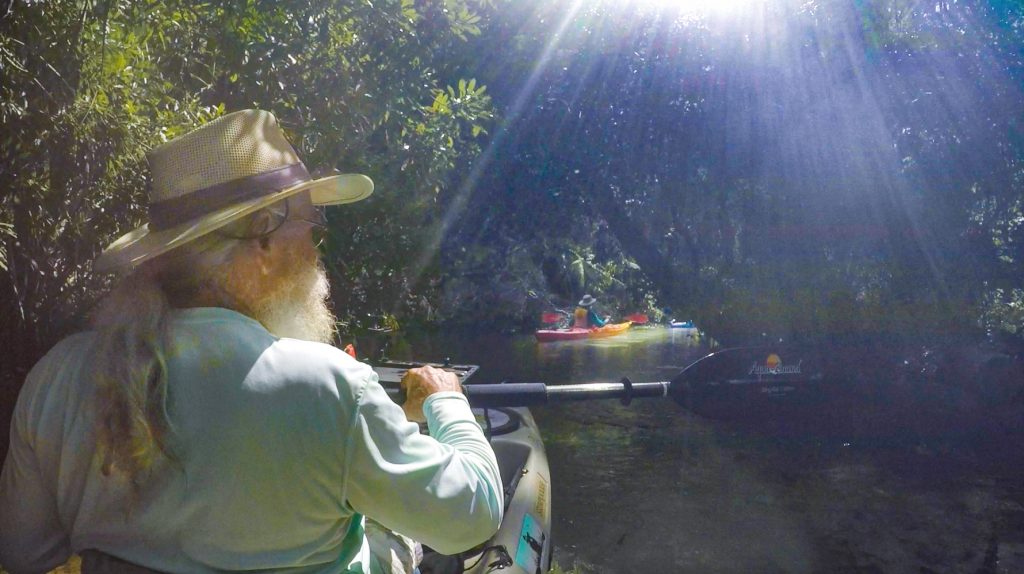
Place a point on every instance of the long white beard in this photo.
(300, 311)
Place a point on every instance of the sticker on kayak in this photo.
(531, 544)
(541, 507)
(773, 366)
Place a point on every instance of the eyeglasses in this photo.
(313, 215)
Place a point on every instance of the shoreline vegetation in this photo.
(618, 166)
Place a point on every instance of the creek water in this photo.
(651, 488)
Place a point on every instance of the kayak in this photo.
(522, 544)
(609, 330)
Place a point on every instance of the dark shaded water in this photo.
(653, 488)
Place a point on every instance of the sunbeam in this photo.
(696, 6)
(465, 190)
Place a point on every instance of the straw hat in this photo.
(222, 171)
(587, 301)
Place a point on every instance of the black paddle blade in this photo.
(741, 381)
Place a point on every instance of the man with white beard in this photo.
(205, 424)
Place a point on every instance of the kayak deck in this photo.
(522, 544)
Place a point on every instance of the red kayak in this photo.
(608, 330)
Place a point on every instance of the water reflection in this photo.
(653, 488)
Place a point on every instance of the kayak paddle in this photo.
(744, 376)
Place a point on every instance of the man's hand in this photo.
(420, 383)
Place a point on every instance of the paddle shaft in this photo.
(764, 373)
(533, 394)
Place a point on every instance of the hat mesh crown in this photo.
(234, 146)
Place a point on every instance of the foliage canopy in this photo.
(820, 167)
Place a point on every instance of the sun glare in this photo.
(707, 6)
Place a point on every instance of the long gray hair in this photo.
(132, 328)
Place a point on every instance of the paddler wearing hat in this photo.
(584, 317)
(206, 423)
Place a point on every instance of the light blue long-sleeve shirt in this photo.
(281, 445)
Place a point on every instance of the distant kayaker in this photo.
(585, 317)
(206, 423)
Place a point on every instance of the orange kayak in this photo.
(608, 330)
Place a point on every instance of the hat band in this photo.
(171, 212)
